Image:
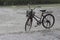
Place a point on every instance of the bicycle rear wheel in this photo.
(48, 21)
(28, 25)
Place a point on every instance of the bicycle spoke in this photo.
(28, 25)
(48, 21)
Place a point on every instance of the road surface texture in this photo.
(12, 21)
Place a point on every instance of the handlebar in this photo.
(37, 7)
(34, 7)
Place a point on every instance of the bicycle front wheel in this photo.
(48, 21)
(28, 25)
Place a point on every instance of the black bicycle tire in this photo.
(51, 25)
(26, 24)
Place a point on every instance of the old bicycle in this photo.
(47, 20)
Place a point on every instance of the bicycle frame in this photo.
(40, 18)
(31, 16)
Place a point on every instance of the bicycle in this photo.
(47, 23)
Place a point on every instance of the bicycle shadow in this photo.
(45, 31)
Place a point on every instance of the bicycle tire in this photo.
(26, 25)
(52, 23)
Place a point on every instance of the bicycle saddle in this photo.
(42, 10)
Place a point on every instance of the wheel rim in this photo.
(48, 21)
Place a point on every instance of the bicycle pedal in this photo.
(35, 25)
(38, 23)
